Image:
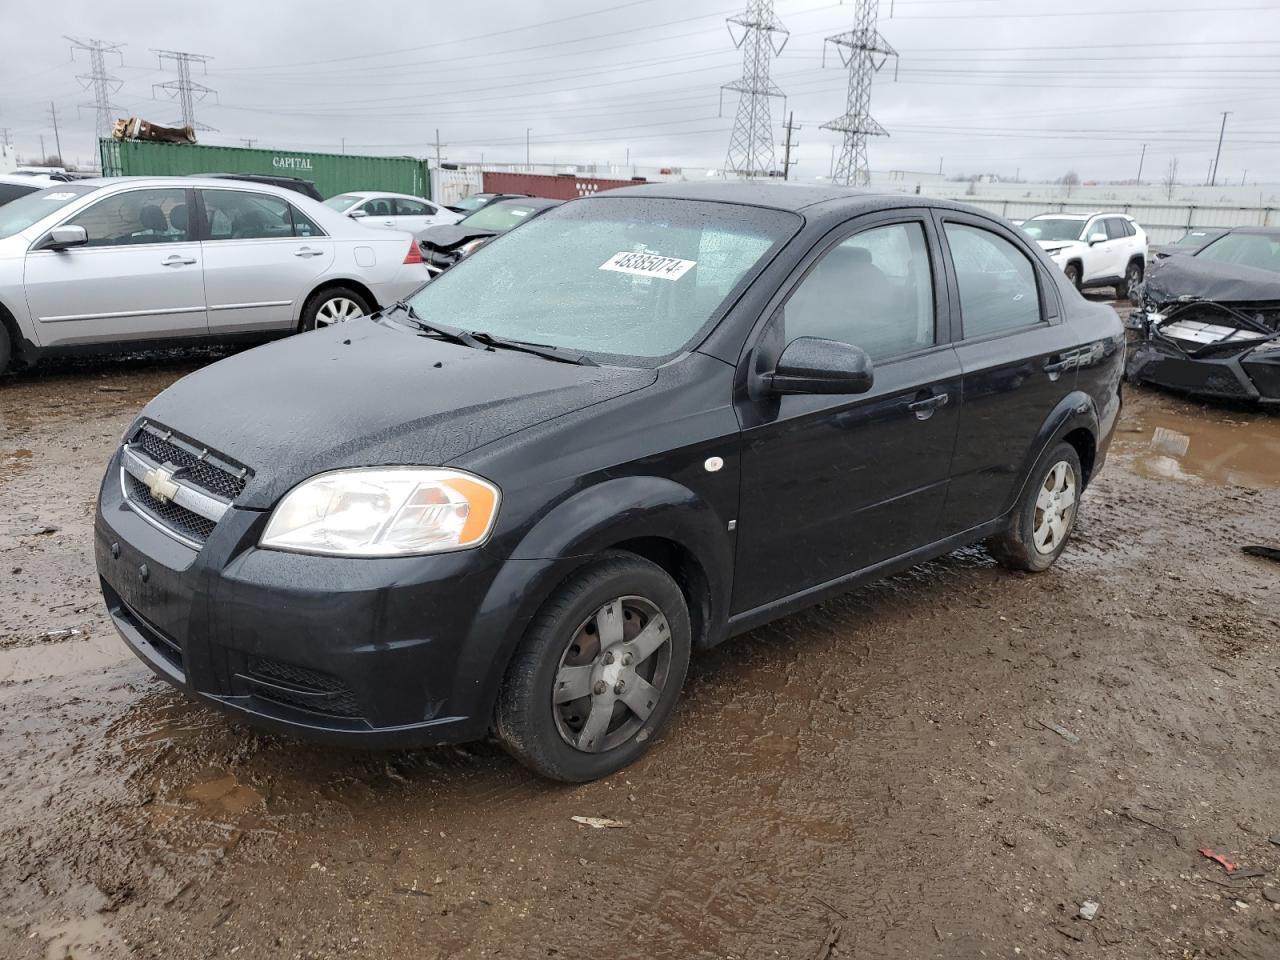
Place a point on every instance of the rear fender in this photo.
(1074, 411)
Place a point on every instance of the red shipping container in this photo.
(552, 187)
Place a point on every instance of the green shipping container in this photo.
(332, 173)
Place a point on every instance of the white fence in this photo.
(1164, 222)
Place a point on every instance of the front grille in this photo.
(193, 468)
(200, 473)
(180, 520)
(301, 688)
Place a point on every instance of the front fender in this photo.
(582, 526)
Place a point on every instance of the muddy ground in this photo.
(880, 776)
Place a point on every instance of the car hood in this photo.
(446, 236)
(1058, 244)
(369, 394)
(1182, 276)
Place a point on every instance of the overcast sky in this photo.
(1036, 86)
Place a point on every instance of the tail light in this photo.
(414, 255)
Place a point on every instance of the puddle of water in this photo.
(58, 657)
(1216, 445)
(79, 939)
(225, 794)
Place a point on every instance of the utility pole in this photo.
(185, 90)
(1208, 175)
(42, 153)
(863, 51)
(248, 141)
(57, 141)
(1141, 157)
(6, 141)
(527, 151)
(787, 162)
(437, 148)
(763, 38)
(344, 145)
(940, 159)
(1213, 179)
(102, 83)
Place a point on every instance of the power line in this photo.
(185, 90)
(751, 142)
(103, 84)
(863, 51)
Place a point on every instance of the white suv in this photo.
(1097, 250)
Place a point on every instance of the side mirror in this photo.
(358, 214)
(60, 238)
(1097, 238)
(813, 365)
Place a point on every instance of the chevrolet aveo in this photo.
(647, 421)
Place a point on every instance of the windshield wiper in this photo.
(537, 349)
(445, 332)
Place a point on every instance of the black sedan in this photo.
(650, 420)
(444, 245)
(1209, 323)
(1190, 242)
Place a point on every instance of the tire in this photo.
(1033, 542)
(1132, 281)
(1072, 270)
(615, 719)
(6, 349)
(332, 305)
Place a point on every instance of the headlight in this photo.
(384, 512)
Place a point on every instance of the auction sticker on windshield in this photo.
(648, 265)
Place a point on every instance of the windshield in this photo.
(12, 191)
(473, 202)
(1193, 239)
(1245, 249)
(1053, 228)
(342, 202)
(500, 217)
(34, 207)
(633, 278)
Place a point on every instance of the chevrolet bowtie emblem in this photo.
(160, 482)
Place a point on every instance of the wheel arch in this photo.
(1075, 421)
(21, 349)
(331, 283)
(651, 517)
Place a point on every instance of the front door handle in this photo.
(925, 404)
(178, 261)
(308, 252)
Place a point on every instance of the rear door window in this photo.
(412, 208)
(1116, 228)
(238, 215)
(996, 280)
(12, 191)
(136, 217)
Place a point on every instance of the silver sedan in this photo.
(136, 262)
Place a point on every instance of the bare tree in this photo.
(1070, 180)
(1170, 181)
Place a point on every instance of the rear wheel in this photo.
(1045, 516)
(1132, 282)
(6, 349)
(1072, 270)
(599, 671)
(330, 306)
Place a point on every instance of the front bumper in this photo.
(383, 653)
(1242, 375)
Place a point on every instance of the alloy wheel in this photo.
(338, 310)
(611, 674)
(1055, 508)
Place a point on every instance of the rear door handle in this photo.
(924, 406)
(178, 261)
(1055, 368)
(308, 252)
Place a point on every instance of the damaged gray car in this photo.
(1209, 323)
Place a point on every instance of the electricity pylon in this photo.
(863, 51)
(763, 37)
(185, 90)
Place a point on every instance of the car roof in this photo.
(379, 193)
(1061, 216)
(1253, 231)
(535, 202)
(220, 183)
(756, 193)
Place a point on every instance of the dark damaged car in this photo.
(1209, 323)
(646, 421)
(444, 245)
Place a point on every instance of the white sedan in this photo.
(134, 262)
(391, 211)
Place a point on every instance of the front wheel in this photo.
(599, 671)
(1045, 516)
(1072, 270)
(6, 349)
(334, 305)
(1132, 283)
